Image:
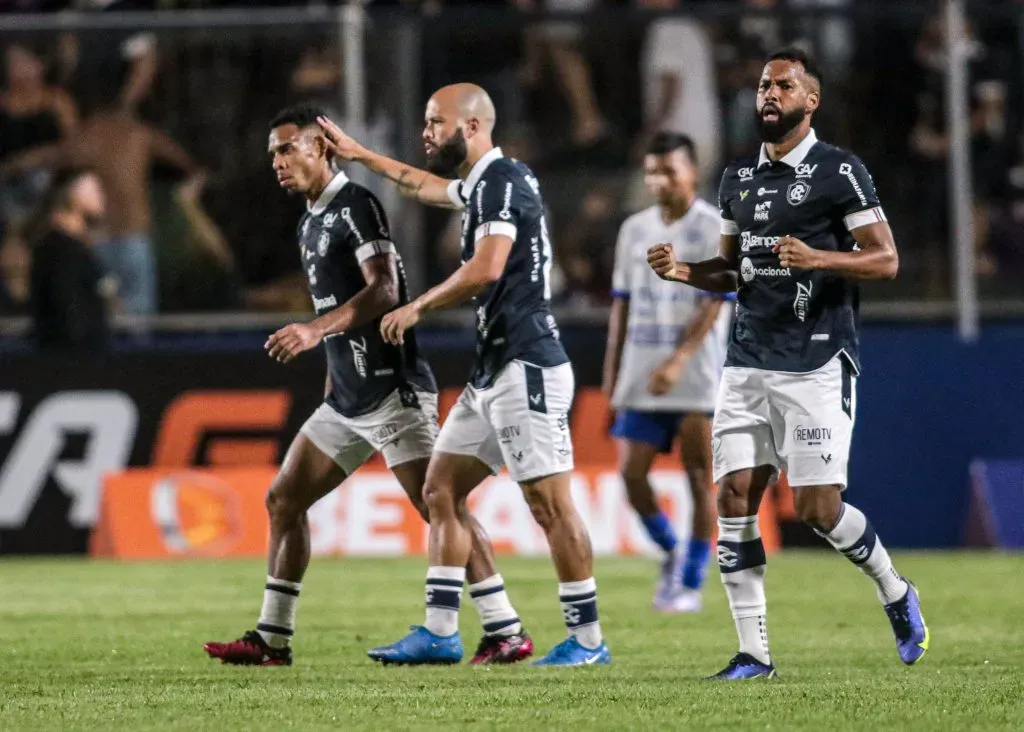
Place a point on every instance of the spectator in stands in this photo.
(929, 145)
(70, 294)
(121, 150)
(680, 87)
(32, 114)
(559, 42)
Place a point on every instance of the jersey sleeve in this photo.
(857, 200)
(621, 286)
(729, 226)
(499, 205)
(368, 232)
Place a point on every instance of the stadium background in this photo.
(939, 436)
(163, 445)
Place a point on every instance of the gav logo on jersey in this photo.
(762, 210)
(330, 219)
(805, 170)
(748, 271)
(750, 241)
(797, 192)
(745, 173)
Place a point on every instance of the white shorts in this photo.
(400, 433)
(521, 421)
(800, 423)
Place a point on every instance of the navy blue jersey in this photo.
(792, 319)
(513, 315)
(345, 227)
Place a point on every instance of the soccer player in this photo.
(515, 410)
(801, 223)
(380, 397)
(666, 346)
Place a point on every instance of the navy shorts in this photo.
(654, 428)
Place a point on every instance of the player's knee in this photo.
(543, 505)
(732, 498)
(281, 508)
(437, 498)
(700, 484)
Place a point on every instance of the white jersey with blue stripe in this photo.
(660, 312)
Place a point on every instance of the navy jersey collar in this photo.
(795, 156)
(337, 183)
(477, 171)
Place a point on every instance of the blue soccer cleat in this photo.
(570, 653)
(744, 666)
(420, 647)
(908, 626)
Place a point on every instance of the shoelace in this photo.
(900, 619)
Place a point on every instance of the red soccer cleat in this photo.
(249, 650)
(503, 649)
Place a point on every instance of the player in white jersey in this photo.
(663, 362)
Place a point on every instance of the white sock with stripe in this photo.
(497, 615)
(277, 617)
(444, 589)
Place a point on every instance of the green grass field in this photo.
(97, 645)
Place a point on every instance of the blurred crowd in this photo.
(132, 161)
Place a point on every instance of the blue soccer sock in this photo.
(660, 530)
(695, 566)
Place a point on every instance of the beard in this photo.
(776, 130)
(449, 156)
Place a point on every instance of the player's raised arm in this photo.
(712, 275)
(421, 185)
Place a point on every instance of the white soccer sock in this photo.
(495, 609)
(277, 618)
(742, 563)
(444, 588)
(854, 537)
(579, 610)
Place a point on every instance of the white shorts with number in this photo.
(521, 421)
(800, 423)
(401, 433)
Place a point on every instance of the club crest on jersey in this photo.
(322, 243)
(330, 219)
(797, 192)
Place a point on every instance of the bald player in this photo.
(515, 410)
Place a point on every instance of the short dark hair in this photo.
(300, 115)
(802, 57)
(664, 143)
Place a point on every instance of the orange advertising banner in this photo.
(219, 512)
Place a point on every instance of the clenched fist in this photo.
(794, 253)
(662, 259)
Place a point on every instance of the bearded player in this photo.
(515, 410)
(801, 224)
(380, 397)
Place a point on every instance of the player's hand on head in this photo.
(338, 142)
(291, 340)
(794, 253)
(662, 259)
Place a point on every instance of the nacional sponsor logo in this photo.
(766, 191)
(748, 271)
(322, 303)
(750, 241)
